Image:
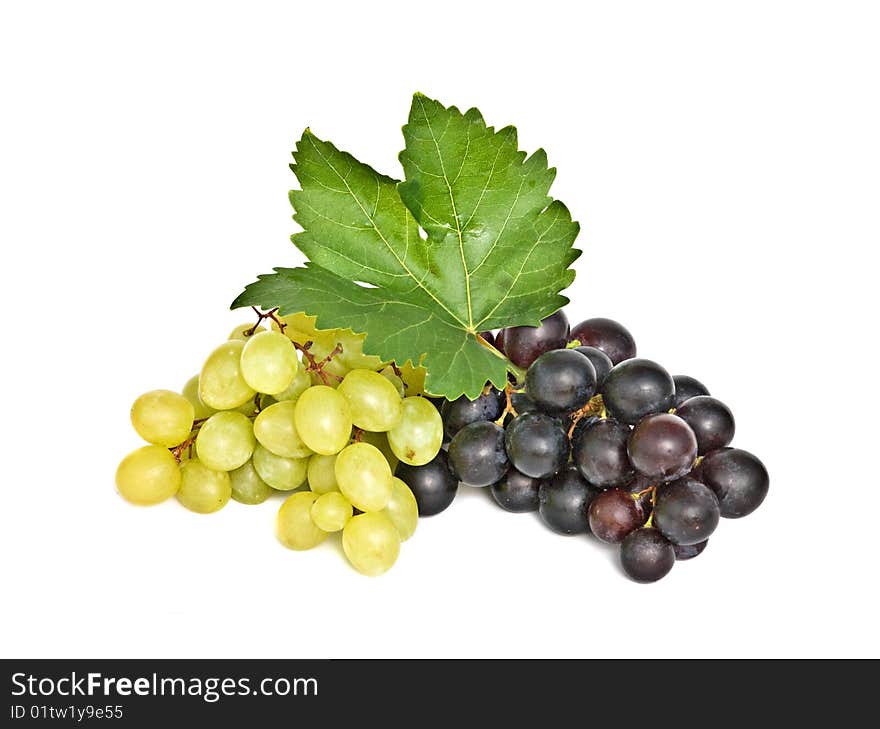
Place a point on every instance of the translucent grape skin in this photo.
(202, 489)
(536, 445)
(283, 474)
(419, 436)
(247, 486)
(323, 419)
(371, 543)
(710, 419)
(462, 411)
(687, 387)
(294, 525)
(636, 388)
(686, 511)
(225, 441)
(148, 476)
(433, 484)
(561, 381)
(600, 454)
(601, 362)
(739, 480)
(523, 345)
(613, 515)
(646, 555)
(608, 335)
(322, 474)
(191, 392)
(363, 476)
(403, 509)
(662, 447)
(516, 492)
(374, 402)
(477, 455)
(380, 440)
(268, 362)
(162, 417)
(221, 385)
(689, 551)
(275, 429)
(302, 381)
(564, 502)
(331, 512)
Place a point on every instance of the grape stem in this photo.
(594, 406)
(358, 434)
(508, 406)
(261, 317)
(317, 366)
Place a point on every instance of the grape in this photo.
(636, 388)
(191, 392)
(247, 486)
(221, 385)
(646, 555)
(711, 421)
(332, 363)
(331, 512)
(418, 437)
(477, 454)
(516, 492)
(225, 441)
(600, 454)
(522, 403)
(275, 429)
(606, 334)
(284, 474)
(488, 337)
(523, 345)
(739, 480)
(689, 551)
(499, 341)
(639, 488)
(380, 440)
(162, 417)
(148, 476)
(371, 543)
(601, 362)
(564, 501)
(536, 445)
(614, 514)
(432, 484)
(460, 412)
(245, 331)
(402, 509)
(561, 381)
(302, 381)
(323, 419)
(662, 447)
(268, 362)
(686, 511)
(363, 476)
(295, 527)
(202, 489)
(322, 474)
(389, 374)
(687, 387)
(375, 403)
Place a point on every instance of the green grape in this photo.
(247, 486)
(225, 441)
(418, 438)
(276, 430)
(323, 419)
(380, 440)
(295, 527)
(371, 543)
(302, 381)
(389, 374)
(364, 476)
(352, 355)
(402, 509)
(284, 474)
(331, 512)
(148, 475)
(268, 362)
(322, 474)
(375, 404)
(202, 489)
(191, 392)
(162, 417)
(249, 409)
(239, 331)
(221, 385)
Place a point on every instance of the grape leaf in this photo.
(496, 249)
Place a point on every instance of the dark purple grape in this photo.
(461, 411)
(561, 381)
(613, 515)
(600, 361)
(433, 484)
(581, 427)
(639, 488)
(516, 492)
(689, 551)
(523, 345)
(662, 447)
(489, 338)
(600, 454)
(711, 421)
(636, 388)
(536, 444)
(687, 387)
(522, 403)
(477, 455)
(499, 341)
(606, 334)
(565, 501)
(738, 478)
(646, 555)
(686, 511)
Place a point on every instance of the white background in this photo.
(723, 161)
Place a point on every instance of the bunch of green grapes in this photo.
(293, 410)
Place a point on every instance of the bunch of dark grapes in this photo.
(600, 442)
